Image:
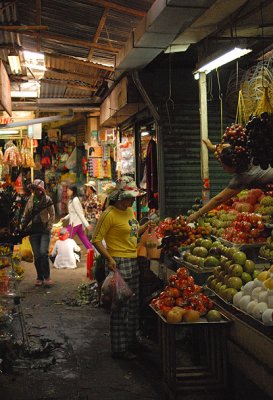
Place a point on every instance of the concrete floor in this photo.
(78, 365)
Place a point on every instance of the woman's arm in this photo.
(103, 251)
(51, 211)
(210, 146)
(220, 198)
(142, 228)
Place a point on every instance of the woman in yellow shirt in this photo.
(119, 228)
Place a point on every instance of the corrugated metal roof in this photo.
(72, 27)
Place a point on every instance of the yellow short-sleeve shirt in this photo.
(119, 229)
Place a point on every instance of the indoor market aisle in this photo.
(70, 349)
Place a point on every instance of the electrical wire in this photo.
(169, 102)
(220, 96)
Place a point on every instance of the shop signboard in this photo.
(5, 97)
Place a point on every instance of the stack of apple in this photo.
(246, 228)
(204, 253)
(266, 209)
(183, 301)
(234, 271)
(217, 221)
(248, 200)
(256, 297)
(179, 234)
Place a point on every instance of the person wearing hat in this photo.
(119, 228)
(91, 204)
(65, 250)
(39, 216)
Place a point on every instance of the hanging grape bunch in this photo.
(260, 140)
(236, 136)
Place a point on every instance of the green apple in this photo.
(246, 277)
(239, 258)
(249, 266)
(235, 270)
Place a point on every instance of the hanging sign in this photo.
(5, 97)
(6, 120)
(34, 131)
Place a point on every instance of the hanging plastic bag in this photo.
(150, 241)
(115, 291)
(26, 250)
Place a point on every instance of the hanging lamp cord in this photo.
(169, 102)
(220, 96)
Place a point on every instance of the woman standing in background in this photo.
(76, 217)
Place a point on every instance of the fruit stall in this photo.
(219, 281)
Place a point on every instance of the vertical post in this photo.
(31, 169)
(204, 135)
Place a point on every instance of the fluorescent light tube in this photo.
(231, 55)
(7, 132)
(24, 93)
(15, 65)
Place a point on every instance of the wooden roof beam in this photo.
(98, 32)
(38, 20)
(118, 7)
(68, 40)
(73, 60)
(69, 84)
(19, 28)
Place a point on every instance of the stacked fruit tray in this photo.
(202, 320)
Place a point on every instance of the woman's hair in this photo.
(74, 190)
(239, 160)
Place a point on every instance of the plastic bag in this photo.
(115, 291)
(149, 241)
(26, 250)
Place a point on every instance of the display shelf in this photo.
(256, 323)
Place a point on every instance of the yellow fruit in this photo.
(268, 283)
(263, 276)
(271, 269)
(191, 316)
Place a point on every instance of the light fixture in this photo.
(145, 133)
(8, 132)
(24, 93)
(225, 58)
(14, 63)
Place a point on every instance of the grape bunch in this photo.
(235, 135)
(237, 138)
(260, 140)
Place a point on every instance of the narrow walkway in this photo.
(75, 363)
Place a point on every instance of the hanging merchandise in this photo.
(90, 166)
(1, 162)
(126, 164)
(46, 156)
(84, 165)
(71, 163)
(151, 175)
(27, 158)
(27, 143)
(12, 156)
